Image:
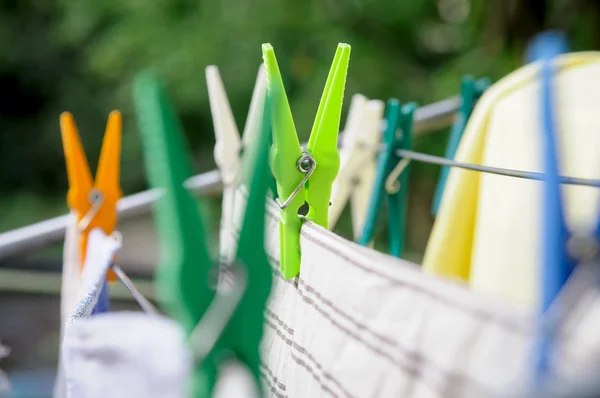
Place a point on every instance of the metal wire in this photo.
(425, 158)
(432, 159)
(48, 232)
(392, 182)
(307, 165)
(135, 292)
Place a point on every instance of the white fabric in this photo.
(126, 355)
(71, 270)
(507, 242)
(118, 354)
(68, 292)
(100, 250)
(358, 323)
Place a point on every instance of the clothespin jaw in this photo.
(94, 202)
(322, 144)
(397, 135)
(228, 145)
(470, 91)
(227, 137)
(284, 154)
(182, 279)
(292, 169)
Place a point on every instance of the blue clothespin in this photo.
(470, 91)
(558, 261)
(391, 178)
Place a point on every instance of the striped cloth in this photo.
(357, 323)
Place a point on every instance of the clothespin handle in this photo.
(285, 151)
(398, 201)
(227, 137)
(556, 264)
(322, 144)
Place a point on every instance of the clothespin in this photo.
(183, 276)
(470, 91)
(304, 176)
(94, 202)
(392, 177)
(357, 161)
(228, 145)
(562, 251)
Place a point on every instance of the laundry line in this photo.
(427, 119)
(49, 283)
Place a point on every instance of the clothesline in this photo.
(426, 158)
(427, 119)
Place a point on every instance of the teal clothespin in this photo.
(304, 176)
(470, 91)
(392, 177)
(183, 277)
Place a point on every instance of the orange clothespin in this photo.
(95, 202)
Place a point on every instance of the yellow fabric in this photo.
(488, 226)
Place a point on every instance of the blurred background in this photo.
(82, 56)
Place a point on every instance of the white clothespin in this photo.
(358, 161)
(228, 143)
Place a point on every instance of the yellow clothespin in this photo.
(94, 202)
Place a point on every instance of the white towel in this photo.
(357, 323)
(126, 355)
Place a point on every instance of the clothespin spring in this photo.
(307, 165)
(137, 295)
(392, 182)
(96, 199)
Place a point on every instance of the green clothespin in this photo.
(392, 177)
(470, 91)
(183, 275)
(183, 278)
(304, 176)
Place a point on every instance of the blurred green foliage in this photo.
(81, 56)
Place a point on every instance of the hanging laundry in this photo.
(488, 227)
(126, 354)
(360, 323)
(69, 292)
